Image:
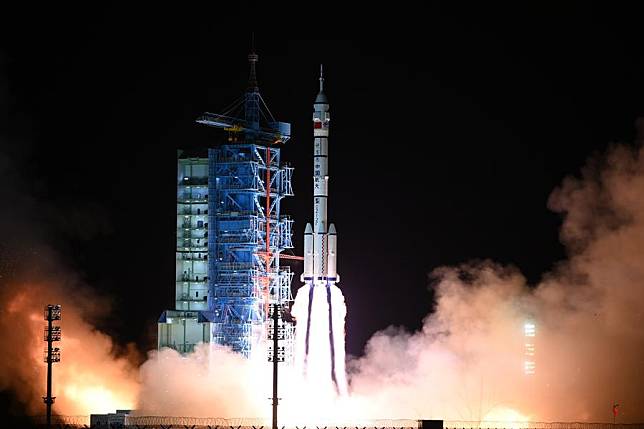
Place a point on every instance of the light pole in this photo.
(277, 355)
(278, 312)
(52, 354)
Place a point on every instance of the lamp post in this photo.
(52, 354)
(276, 333)
(278, 313)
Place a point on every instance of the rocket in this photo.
(320, 240)
(319, 303)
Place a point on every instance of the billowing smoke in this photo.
(212, 381)
(467, 361)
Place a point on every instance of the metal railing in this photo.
(171, 422)
(188, 257)
(235, 266)
(191, 297)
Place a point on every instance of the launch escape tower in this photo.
(231, 232)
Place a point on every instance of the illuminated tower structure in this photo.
(231, 233)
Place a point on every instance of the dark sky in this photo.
(450, 127)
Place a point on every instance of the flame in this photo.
(90, 379)
(320, 374)
(89, 399)
(505, 414)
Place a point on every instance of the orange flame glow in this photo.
(89, 379)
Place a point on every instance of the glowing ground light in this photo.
(506, 415)
(95, 399)
(529, 332)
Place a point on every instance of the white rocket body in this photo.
(308, 251)
(332, 261)
(319, 306)
(320, 247)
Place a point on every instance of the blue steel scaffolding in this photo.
(246, 229)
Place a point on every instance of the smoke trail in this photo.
(317, 380)
(329, 316)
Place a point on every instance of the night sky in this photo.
(450, 128)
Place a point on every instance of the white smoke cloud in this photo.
(212, 381)
(466, 362)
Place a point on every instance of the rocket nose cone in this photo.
(332, 229)
(321, 98)
(308, 229)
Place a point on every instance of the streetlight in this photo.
(52, 354)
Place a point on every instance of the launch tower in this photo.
(230, 223)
